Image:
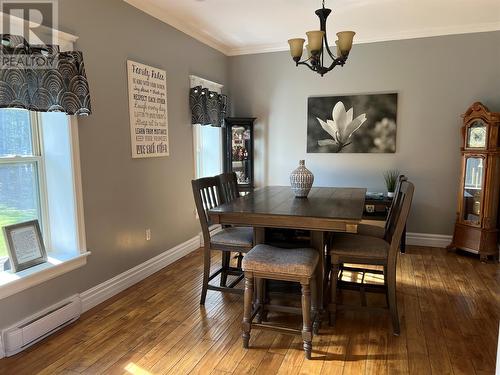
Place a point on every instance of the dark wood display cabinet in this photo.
(238, 150)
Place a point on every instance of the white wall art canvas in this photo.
(147, 90)
(352, 124)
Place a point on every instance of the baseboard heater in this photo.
(35, 328)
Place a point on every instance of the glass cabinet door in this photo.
(473, 189)
(240, 153)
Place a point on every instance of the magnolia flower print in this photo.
(341, 127)
(384, 136)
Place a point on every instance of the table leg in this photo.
(259, 235)
(318, 243)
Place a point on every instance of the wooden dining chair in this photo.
(207, 195)
(228, 183)
(228, 186)
(378, 231)
(367, 230)
(362, 250)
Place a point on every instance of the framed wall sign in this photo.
(147, 92)
(25, 245)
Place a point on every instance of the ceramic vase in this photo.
(301, 180)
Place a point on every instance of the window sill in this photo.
(56, 265)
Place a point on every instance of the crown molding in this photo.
(164, 16)
(228, 50)
(424, 33)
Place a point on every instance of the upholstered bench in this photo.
(274, 263)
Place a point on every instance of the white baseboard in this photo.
(428, 239)
(117, 284)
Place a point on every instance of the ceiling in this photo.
(237, 27)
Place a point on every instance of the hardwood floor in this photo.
(448, 306)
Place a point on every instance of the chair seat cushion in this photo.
(371, 230)
(359, 246)
(233, 236)
(270, 259)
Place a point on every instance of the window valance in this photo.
(41, 78)
(207, 107)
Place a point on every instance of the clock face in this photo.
(476, 135)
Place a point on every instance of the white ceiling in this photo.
(237, 27)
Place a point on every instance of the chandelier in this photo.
(317, 46)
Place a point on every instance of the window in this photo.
(207, 140)
(208, 150)
(40, 179)
(21, 175)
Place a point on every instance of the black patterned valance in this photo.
(207, 107)
(42, 79)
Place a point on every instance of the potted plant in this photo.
(391, 180)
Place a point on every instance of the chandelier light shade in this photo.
(317, 46)
(315, 40)
(345, 41)
(296, 47)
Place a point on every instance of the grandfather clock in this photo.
(476, 227)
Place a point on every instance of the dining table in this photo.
(326, 209)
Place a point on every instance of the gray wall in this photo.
(436, 79)
(122, 196)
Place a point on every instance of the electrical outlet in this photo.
(148, 234)
(370, 208)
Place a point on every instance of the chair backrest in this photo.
(228, 184)
(390, 214)
(401, 209)
(206, 196)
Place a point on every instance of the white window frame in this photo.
(197, 143)
(37, 159)
(77, 186)
(58, 263)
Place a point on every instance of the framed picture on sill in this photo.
(25, 245)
